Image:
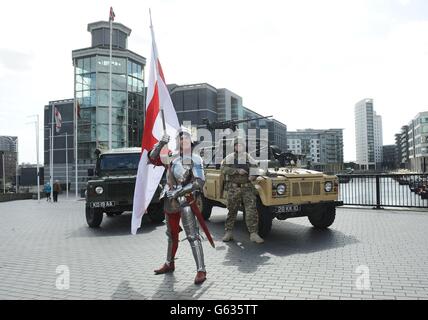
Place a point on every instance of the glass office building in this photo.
(92, 67)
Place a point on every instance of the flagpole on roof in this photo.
(75, 133)
(156, 67)
(111, 18)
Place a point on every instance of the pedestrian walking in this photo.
(56, 190)
(47, 190)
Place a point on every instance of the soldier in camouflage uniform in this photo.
(236, 170)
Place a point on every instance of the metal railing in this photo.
(384, 190)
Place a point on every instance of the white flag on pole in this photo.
(58, 120)
(149, 176)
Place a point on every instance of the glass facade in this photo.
(194, 104)
(92, 93)
(101, 38)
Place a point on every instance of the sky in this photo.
(307, 62)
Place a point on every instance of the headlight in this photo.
(328, 186)
(280, 189)
(99, 190)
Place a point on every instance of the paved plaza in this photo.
(47, 251)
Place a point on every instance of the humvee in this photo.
(284, 189)
(110, 188)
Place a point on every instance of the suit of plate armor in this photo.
(184, 175)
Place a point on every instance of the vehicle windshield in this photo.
(119, 162)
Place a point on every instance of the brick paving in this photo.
(41, 242)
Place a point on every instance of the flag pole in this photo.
(160, 105)
(52, 157)
(4, 173)
(38, 164)
(109, 107)
(75, 132)
(66, 163)
(17, 166)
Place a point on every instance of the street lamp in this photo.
(37, 147)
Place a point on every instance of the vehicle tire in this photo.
(265, 219)
(323, 218)
(207, 207)
(94, 217)
(156, 213)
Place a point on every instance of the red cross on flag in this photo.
(149, 176)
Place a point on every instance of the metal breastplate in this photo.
(180, 172)
(178, 175)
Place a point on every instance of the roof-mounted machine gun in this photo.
(229, 124)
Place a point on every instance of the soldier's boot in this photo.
(228, 236)
(201, 276)
(166, 268)
(254, 237)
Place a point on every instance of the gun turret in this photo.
(229, 124)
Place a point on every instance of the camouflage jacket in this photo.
(233, 162)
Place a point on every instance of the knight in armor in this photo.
(185, 176)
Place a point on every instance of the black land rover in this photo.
(110, 188)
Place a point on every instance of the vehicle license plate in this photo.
(103, 204)
(288, 208)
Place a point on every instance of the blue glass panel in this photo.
(139, 72)
(129, 84)
(118, 98)
(93, 64)
(86, 65)
(118, 81)
(118, 64)
(129, 67)
(79, 67)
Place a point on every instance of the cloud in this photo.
(14, 60)
(404, 2)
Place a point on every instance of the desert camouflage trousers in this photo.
(245, 196)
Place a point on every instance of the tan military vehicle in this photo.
(285, 191)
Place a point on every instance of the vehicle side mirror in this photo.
(91, 172)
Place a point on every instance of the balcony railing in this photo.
(384, 190)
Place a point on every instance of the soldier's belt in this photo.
(240, 185)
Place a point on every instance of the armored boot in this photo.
(201, 276)
(254, 237)
(173, 228)
(228, 236)
(166, 268)
(192, 232)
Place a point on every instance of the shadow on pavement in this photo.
(286, 238)
(167, 290)
(114, 226)
(125, 292)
